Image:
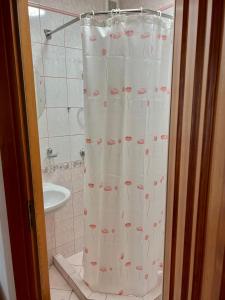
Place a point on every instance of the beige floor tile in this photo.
(57, 281)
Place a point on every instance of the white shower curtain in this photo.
(127, 79)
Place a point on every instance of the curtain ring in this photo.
(160, 13)
(93, 13)
(141, 9)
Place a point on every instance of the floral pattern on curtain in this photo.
(127, 81)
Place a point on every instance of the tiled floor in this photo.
(60, 290)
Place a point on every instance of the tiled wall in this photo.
(58, 69)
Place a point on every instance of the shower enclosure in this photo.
(126, 57)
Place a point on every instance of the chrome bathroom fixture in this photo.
(50, 153)
(49, 33)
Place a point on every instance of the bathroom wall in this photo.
(59, 87)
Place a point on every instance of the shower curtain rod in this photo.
(49, 33)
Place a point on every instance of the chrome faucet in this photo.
(50, 153)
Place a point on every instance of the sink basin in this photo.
(55, 196)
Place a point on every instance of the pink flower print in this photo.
(147, 151)
(85, 91)
(141, 142)
(92, 38)
(155, 183)
(120, 292)
(145, 35)
(146, 237)
(128, 138)
(128, 225)
(88, 141)
(113, 230)
(161, 179)
(140, 186)
(96, 93)
(105, 231)
(129, 33)
(104, 52)
(99, 141)
(164, 37)
(86, 250)
(111, 142)
(127, 89)
(155, 224)
(164, 137)
(142, 91)
(122, 256)
(107, 188)
(92, 226)
(85, 211)
(105, 103)
(93, 263)
(139, 268)
(163, 89)
(140, 228)
(146, 196)
(146, 276)
(128, 182)
(114, 91)
(115, 36)
(155, 138)
(103, 269)
(128, 264)
(91, 185)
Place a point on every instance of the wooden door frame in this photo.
(193, 154)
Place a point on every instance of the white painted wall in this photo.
(7, 288)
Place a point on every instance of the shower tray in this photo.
(72, 270)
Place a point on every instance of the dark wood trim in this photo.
(213, 68)
(185, 11)
(193, 154)
(15, 158)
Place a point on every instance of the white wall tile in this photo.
(51, 20)
(56, 92)
(43, 148)
(54, 61)
(75, 92)
(72, 34)
(58, 122)
(77, 143)
(74, 63)
(34, 18)
(60, 146)
(76, 120)
(64, 232)
(37, 58)
(42, 125)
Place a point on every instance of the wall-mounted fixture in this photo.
(50, 153)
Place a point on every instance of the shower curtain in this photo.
(127, 78)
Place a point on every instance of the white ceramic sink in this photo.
(55, 196)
